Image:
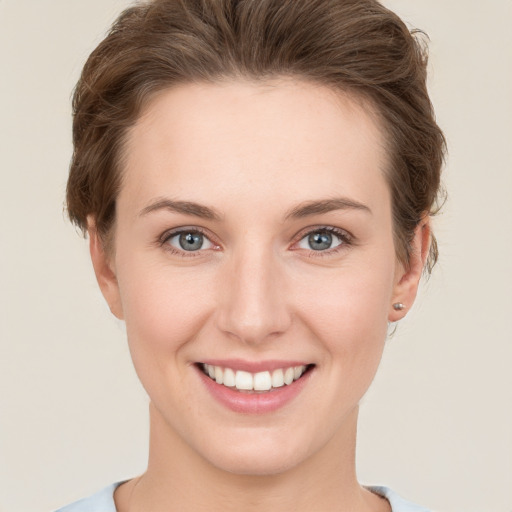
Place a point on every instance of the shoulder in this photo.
(102, 501)
(397, 503)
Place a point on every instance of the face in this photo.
(254, 235)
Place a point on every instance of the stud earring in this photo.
(398, 306)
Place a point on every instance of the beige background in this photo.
(437, 424)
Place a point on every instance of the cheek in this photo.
(350, 314)
(164, 309)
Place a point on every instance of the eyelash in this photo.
(345, 238)
(171, 234)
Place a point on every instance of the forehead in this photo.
(239, 137)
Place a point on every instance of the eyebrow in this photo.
(324, 206)
(302, 210)
(185, 207)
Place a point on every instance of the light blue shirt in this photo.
(103, 501)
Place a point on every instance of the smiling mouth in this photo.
(260, 382)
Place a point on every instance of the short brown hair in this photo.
(355, 46)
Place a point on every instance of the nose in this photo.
(253, 299)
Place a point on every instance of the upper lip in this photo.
(254, 366)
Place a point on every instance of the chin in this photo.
(255, 465)
(256, 458)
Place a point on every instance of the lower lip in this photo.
(254, 403)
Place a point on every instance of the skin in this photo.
(254, 153)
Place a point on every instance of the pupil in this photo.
(191, 241)
(320, 241)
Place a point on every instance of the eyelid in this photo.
(170, 233)
(347, 238)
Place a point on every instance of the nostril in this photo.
(252, 309)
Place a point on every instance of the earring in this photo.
(398, 306)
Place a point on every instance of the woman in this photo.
(256, 179)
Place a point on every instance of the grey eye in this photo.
(320, 240)
(189, 241)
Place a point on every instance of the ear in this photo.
(407, 279)
(104, 270)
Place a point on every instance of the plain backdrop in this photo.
(437, 422)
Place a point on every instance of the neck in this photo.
(178, 478)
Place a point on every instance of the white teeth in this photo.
(219, 375)
(298, 371)
(288, 376)
(277, 378)
(229, 378)
(261, 381)
(244, 380)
